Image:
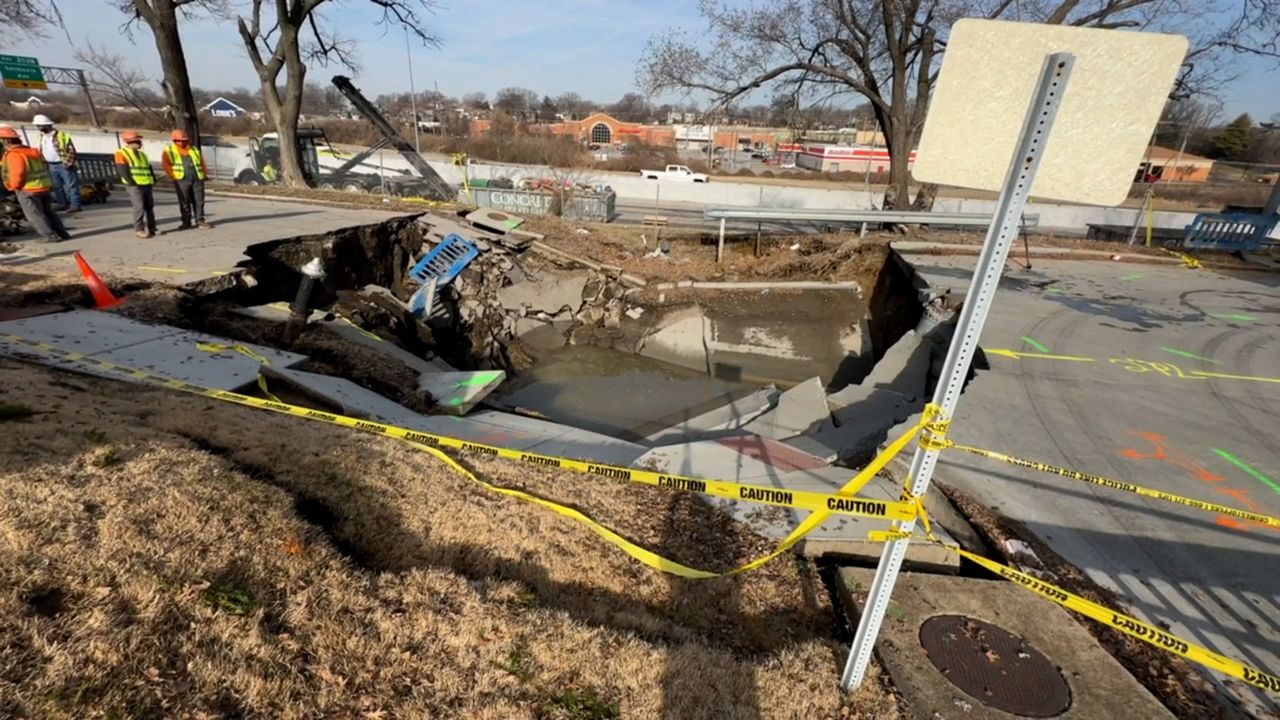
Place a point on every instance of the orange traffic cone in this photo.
(102, 297)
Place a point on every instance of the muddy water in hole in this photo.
(616, 393)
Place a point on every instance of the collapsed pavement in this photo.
(505, 299)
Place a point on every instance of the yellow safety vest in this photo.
(269, 173)
(38, 177)
(175, 161)
(139, 166)
(63, 141)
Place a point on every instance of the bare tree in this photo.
(282, 36)
(31, 17)
(516, 101)
(888, 51)
(162, 17)
(573, 106)
(113, 78)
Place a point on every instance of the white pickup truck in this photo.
(675, 172)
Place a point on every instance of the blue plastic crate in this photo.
(445, 261)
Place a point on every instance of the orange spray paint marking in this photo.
(1159, 451)
(1249, 504)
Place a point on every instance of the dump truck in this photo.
(261, 163)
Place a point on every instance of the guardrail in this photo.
(857, 216)
(863, 217)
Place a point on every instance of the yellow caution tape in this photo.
(1103, 614)
(1118, 485)
(820, 505)
(1129, 625)
(219, 347)
(1188, 261)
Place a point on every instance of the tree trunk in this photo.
(925, 197)
(177, 85)
(898, 195)
(288, 109)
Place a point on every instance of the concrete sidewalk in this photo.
(104, 233)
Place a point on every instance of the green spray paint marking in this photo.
(1053, 290)
(1134, 276)
(456, 401)
(1248, 470)
(483, 378)
(1233, 316)
(1035, 344)
(1190, 355)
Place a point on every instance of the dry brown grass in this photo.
(163, 555)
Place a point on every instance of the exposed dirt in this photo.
(165, 555)
(1172, 680)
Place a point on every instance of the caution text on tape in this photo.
(1127, 624)
(820, 505)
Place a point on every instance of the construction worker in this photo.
(270, 160)
(135, 172)
(60, 153)
(26, 174)
(185, 167)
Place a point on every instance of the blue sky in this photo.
(586, 46)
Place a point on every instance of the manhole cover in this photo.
(994, 666)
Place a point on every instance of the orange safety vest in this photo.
(38, 179)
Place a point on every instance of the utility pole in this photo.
(413, 93)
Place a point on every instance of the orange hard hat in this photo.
(8, 133)
(131, 136)
(179, 135)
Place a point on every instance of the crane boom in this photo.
(438, 189)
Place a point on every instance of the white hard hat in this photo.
(41, 120)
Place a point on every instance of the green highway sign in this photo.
(22, 72)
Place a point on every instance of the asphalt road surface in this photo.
(1156, 375)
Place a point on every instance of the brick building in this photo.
(605, 130)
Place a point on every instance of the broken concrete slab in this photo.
(680, 340)
(858, 426)
(499, 222)
(160, 349)
(549, 292)
(86, 331)
(340, 394)
(730, 416)
(540, 335)
(1100, 687)
(904, 369)
(275, 312)
(457, 392)
(846, 535)
(741, 459)
(799, 409)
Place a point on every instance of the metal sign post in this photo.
(1000, 236)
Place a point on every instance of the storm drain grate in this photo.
(995, 667)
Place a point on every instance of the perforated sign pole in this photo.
(982, 289)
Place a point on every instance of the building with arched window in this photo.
(601, 134)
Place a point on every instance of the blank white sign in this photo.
(1113, 99)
